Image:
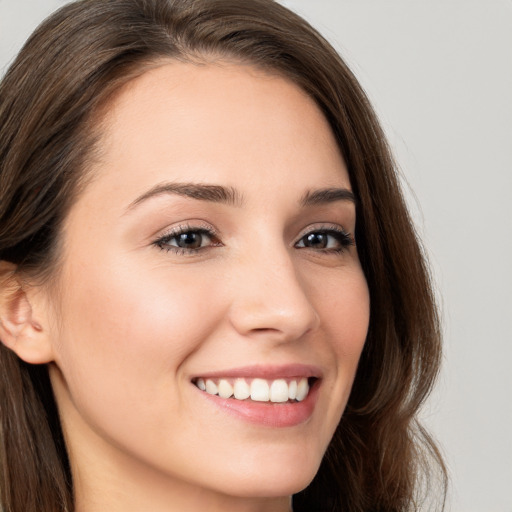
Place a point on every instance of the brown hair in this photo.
(69, 68)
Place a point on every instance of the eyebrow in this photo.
(327, 195)
(231, 196)
(201, 192)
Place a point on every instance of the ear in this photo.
(21, 318)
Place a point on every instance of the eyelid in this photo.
(176, 230)
(326, 227)
(345, 239)
(183, 227)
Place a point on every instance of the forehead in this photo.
(222, 123)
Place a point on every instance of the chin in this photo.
(274, 478)
(267, 488)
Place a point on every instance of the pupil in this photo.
(317, 240)
(190, 240)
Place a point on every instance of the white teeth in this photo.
(225, 389)
(292, 390)
(241, 389)
(302, 390)
(259, 390)
(211, 387)
(279, 391)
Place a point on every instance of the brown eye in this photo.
(189, 240)
(316, 240)
(325, 240)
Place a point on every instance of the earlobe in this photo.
(20, 328)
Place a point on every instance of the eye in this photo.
(187, 239)
(327, 240)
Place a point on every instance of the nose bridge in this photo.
(270, 296)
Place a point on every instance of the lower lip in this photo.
(268, 414)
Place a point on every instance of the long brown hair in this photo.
(50, 100)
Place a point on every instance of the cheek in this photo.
(126, 331)
(344, 306)
(139, 311)
(351, 314)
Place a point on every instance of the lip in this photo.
(265, 372)
(267, 414)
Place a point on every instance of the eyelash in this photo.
(163, 242)
(342, 237)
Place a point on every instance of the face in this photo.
(212, 307)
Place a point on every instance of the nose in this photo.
(269, 299)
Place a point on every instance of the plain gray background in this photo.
(439, 73)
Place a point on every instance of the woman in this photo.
(191, 317)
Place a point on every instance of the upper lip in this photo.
(265, 372)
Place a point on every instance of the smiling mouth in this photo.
(282, 390)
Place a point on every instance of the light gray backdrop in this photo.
(440, 75)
